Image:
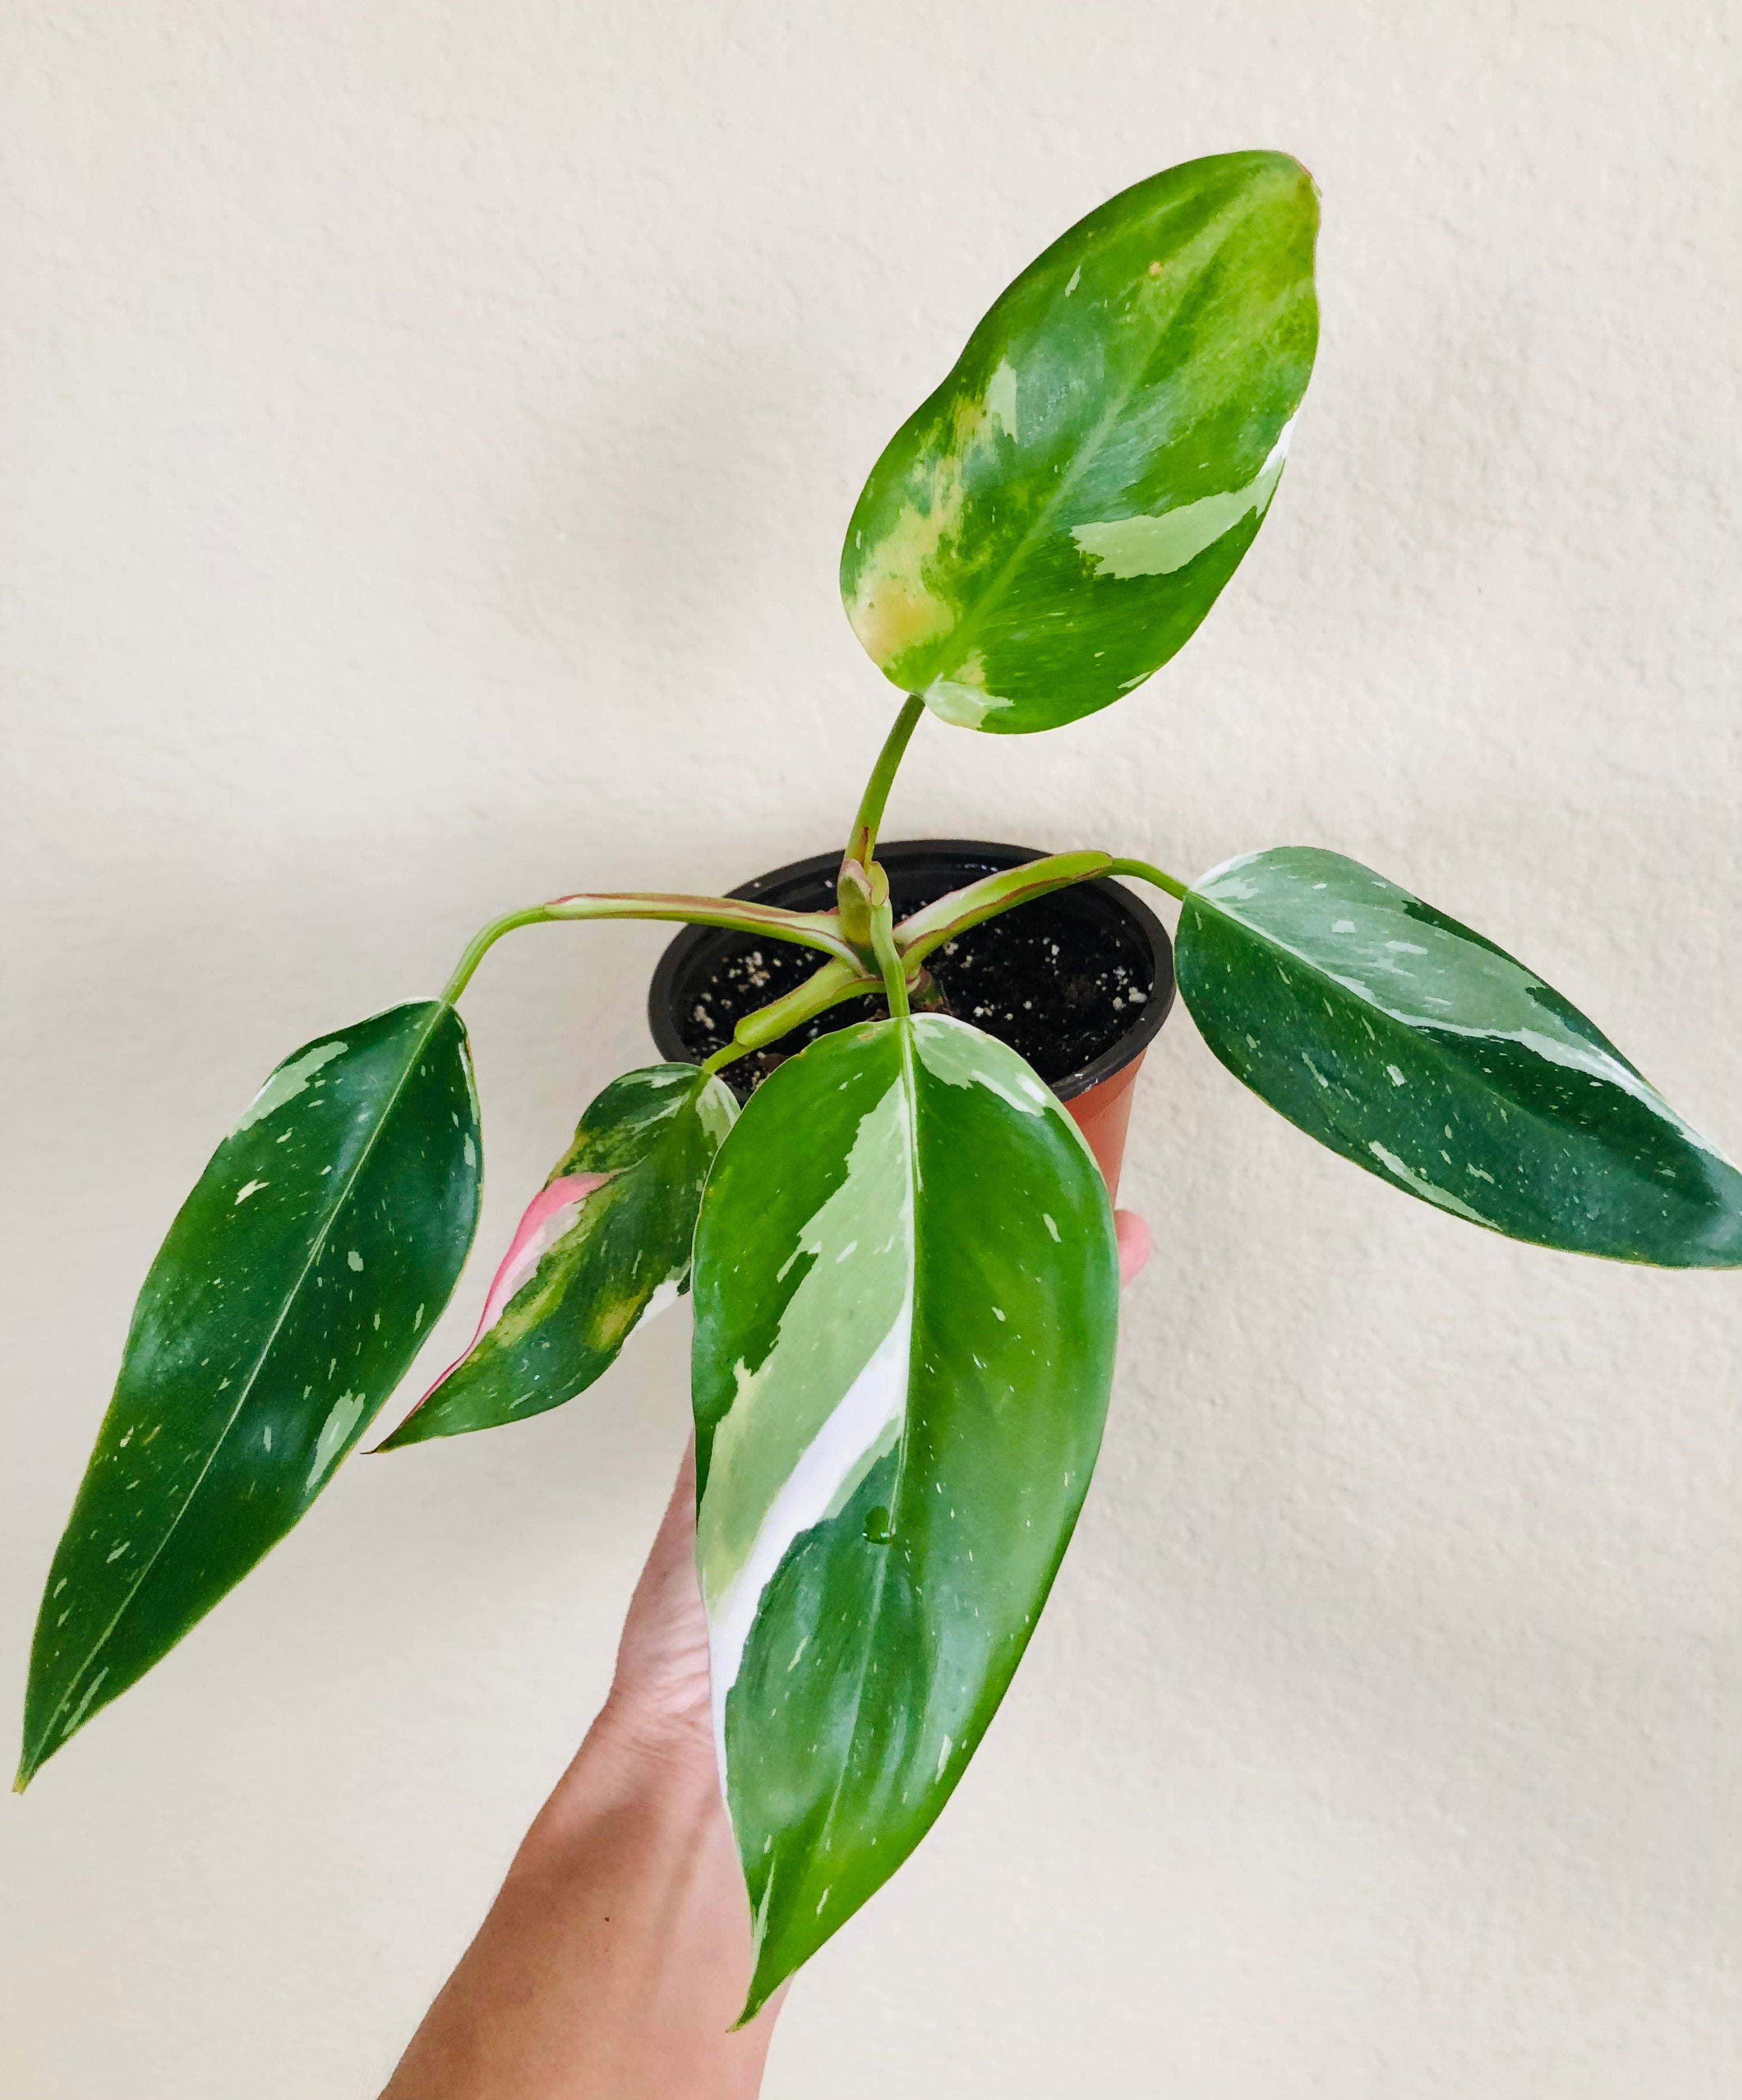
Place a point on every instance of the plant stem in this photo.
(866, 825)
(1146, 873)
(862, 845)
(811, 929)
(830, 985)
(480, 944)
(889, 961)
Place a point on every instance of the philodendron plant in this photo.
(901, 1253)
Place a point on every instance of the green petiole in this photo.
(811, 929)
(861, 846)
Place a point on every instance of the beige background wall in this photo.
(427, 434)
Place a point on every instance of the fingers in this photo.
(1133, 1235)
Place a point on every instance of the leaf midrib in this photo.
(316, 1245)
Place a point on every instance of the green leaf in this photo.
(906, 1301)
(1427, 1054)
(603, 1247)
(293, 1291)
(1051, 526)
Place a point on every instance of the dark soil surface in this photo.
(1047, 979)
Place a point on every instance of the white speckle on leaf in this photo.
(354, 1260)
(1046, 1219)
(1395, 1076)
(250, 1189)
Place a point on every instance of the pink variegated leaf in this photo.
(604, 1244)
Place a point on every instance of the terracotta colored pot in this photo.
(1103, 1114)
(1098, 1095)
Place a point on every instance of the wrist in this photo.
(666, 1742)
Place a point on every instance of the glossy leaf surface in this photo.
(1424, 1054)
(603, 1245)
(906, 1304)
(294, 1288)
(1051, 526)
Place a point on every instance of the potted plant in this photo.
(899, 1245)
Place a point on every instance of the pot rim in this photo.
(1123, 1050)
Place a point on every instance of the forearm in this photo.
(615, 1960)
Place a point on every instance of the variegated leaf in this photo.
(906, 1301)
(603, 1247)
(1051, 526)
(295, 1287)
(1427, 1054)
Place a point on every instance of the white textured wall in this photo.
(427, 434)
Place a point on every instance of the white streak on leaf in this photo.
(962, 1057)
(286, 1083)
(1155, 545)
(1001, 396)
(83, 1707)
(348, 1411)
(863, 1428)
(966, 706)
(1422, 1186)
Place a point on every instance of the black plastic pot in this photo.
(1098, 1092)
